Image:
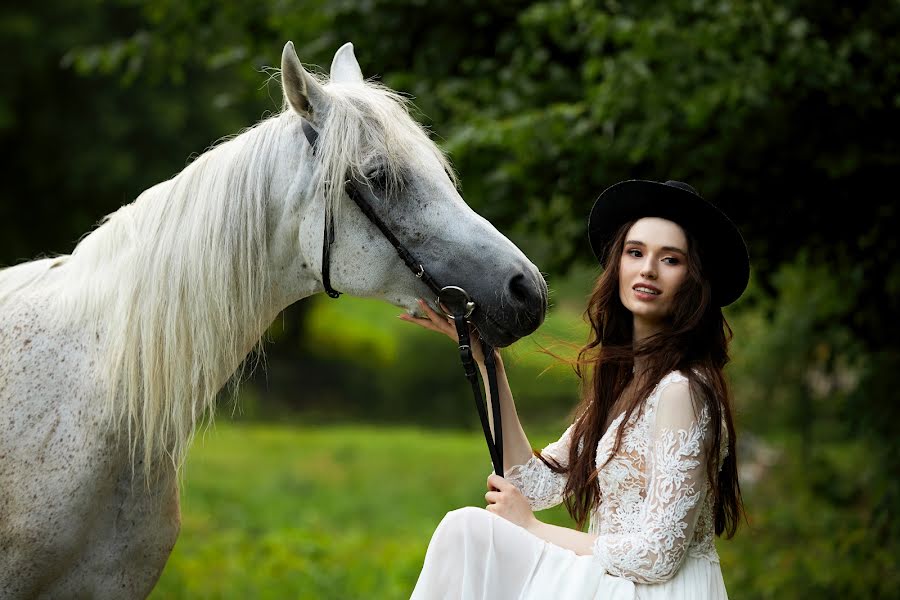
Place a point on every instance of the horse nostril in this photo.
(518, 288)
(529, 302)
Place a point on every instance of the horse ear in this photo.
(302, 91)
(344, 67)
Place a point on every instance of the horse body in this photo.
(74, 522)
(111, 356)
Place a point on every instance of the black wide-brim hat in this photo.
(723, 252)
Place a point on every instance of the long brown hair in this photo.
(695, 342)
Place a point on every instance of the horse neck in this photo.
(180, 282)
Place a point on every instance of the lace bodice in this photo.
(655, 505)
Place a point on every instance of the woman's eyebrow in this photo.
(665, 248)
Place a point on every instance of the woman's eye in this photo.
(634, 252)
(671, 260)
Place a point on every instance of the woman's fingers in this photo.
(421, 322)
(493, 497)
(495, 482)
(434, 321)
(430, 311)
(444, 322)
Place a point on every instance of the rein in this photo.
(452, 301)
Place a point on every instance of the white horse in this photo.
(111, 356)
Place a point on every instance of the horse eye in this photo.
(377, 178)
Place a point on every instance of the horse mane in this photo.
(176, 283)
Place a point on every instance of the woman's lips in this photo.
(644, 291)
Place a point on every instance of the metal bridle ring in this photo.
(454, 297)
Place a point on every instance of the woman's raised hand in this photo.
(441, 324)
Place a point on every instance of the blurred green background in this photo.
(328, 474)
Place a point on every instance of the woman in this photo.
(649, 462)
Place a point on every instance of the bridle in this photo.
(453, 301)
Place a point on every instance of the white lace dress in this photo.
(654, 524)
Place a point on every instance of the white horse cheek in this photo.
(296, 221)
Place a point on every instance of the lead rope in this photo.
(491, 368)
(494, 442)
(461, 309)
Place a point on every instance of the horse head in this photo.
(365, 134)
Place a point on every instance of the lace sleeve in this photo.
(542, 487)
(676, 482)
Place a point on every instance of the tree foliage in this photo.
(781, 113)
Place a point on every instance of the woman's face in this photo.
(651, 269)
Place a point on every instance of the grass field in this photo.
(346, 512)
(319, 513)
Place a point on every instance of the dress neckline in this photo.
(614, 424)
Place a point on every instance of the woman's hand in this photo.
(441, 324)
(505, 500)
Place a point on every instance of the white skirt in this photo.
(475, 554)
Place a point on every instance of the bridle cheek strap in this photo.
(361, 194)
(327, 240)
(328, 236)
